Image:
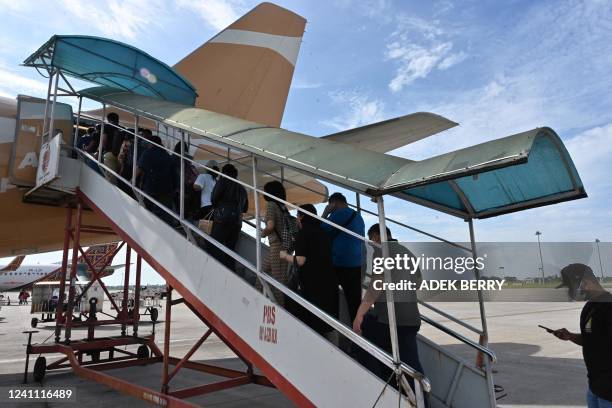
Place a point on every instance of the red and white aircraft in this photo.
(16, 276)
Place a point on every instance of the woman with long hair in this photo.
(275, 212)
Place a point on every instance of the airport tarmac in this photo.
(535, 369)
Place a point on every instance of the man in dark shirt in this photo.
(595, 335)
(372, 318)
(155, 169)
(112, 136)
(229, 201)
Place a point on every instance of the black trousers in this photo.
(350, 281)
(164, 199)
(378, 333)
(227, 234)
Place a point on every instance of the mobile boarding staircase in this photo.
(521, 171)
(288, 355)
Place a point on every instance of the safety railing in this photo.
(237, 161)
(421, 382)
(478, 347)
(461, 338)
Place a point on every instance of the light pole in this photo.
(597, 241)
(538, 233)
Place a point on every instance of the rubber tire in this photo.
(34, 322)
(154, 314)
(143, 352)
(40, 368)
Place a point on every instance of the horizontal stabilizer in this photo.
(115, 267)
(390, 134)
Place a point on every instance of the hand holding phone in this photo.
(546, 328)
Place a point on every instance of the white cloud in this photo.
(124, 19)
(14, 6)
(12, 84)
(216, 13)
(415, 62)
(419, 46)
(304, 84)
(376, 9)
(591, 152)
(451, 60)
(360, 110)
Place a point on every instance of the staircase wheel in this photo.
(40, 368)
(143, 351)
(154, 314)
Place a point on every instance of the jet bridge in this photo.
(531, 168)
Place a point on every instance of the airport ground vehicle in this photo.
(45, 298)
(150, 300)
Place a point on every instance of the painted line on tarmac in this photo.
(18, 360)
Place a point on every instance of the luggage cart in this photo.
(45, 296)
(150, 300)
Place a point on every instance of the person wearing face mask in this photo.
(595, 335)
(313, 258)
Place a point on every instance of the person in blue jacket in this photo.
(347, 250)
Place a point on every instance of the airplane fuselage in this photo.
(25, 276)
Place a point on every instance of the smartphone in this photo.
(546, 328)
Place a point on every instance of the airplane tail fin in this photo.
(15, 263)
(245, 71)
(94, 253)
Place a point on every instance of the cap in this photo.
(212, 163)
(573, 274)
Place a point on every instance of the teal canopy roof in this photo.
(112, 63)
(513, 173)
(544, 175)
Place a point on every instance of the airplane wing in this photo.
(15, 263)
(388, 135)
(115, 267)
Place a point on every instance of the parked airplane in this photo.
(245, 72)
(16, 276)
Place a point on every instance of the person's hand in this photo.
(328, 209)
(562, 334)
(283, 254)
(357, 323)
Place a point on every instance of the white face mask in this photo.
(581, 292)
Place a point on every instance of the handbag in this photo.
(206, 223)
(293, 279)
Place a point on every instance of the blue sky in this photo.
(495, 67)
